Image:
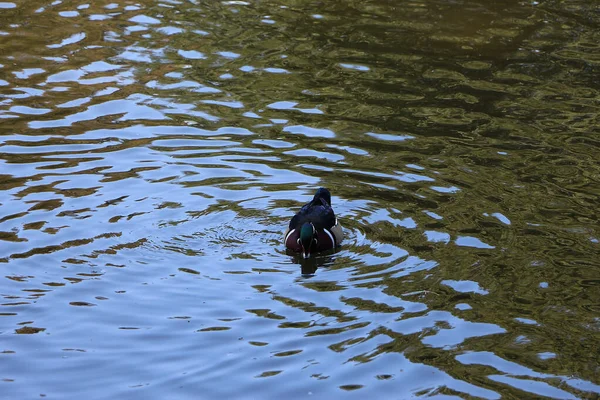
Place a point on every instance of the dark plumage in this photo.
(314, 228)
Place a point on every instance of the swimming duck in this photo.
(314, 228)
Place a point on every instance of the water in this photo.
(152, 154)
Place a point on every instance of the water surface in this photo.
(152, 153)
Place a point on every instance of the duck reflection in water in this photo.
(309, 266)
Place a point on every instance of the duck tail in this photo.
(322, 196)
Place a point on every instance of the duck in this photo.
(315, 227)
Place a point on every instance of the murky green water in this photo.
(152, 154)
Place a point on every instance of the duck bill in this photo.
(305, 254)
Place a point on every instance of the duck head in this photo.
(308, 237)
